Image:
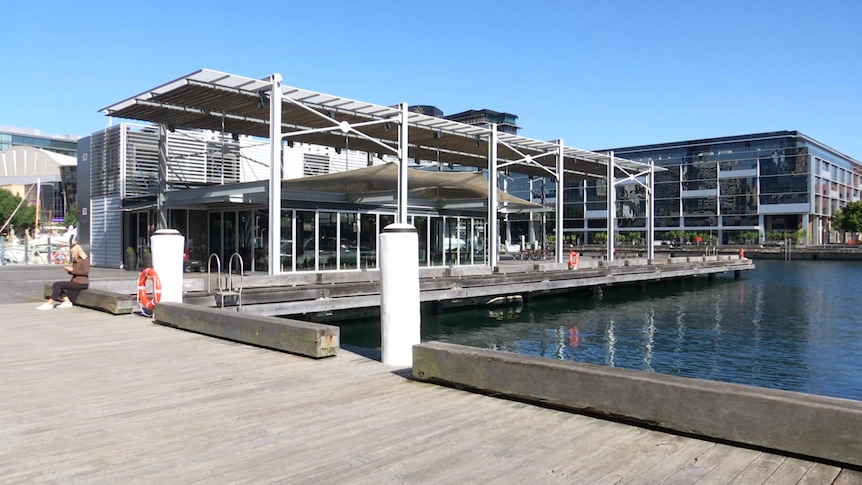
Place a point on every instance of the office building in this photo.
(28, 157)
(753, 188)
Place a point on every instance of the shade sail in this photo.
(381, 181)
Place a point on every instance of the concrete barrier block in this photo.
(294, 336)
(515, 268)
(553, 266)
(340, 277)
(458, 271)
(435, 272)
(816, 426)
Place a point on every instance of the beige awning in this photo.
(380, 183)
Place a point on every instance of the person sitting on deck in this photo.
(80, 271)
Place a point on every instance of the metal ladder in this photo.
(226, 294)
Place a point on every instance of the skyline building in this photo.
(728, 187)
(28, 157)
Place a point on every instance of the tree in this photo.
(25, 218)
(71, 216)
(849, 218)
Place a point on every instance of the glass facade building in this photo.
(14, 137)
(223, 210)
(57, 194)
(739, 189)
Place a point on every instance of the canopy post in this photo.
(275, 174)
(612, 206)
(558, 242)
(650, 212)
(403, 158)
(161, 210)
(493, 231)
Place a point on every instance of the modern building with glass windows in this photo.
(18, 137)
(28, 157)
(726, 189)
(335, 202)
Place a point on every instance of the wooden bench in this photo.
(294, 336)
(106, 301)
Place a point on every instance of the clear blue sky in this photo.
(599, 74)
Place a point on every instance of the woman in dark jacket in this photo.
(80, 271)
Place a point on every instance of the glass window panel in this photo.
(215, 233)
(698, 206)
(349, 228)
(327, 242)
(306, 255)
(196, 241)
(666, 207)
(286, 243)
(421, 224)
(368, 237)
(667, 222)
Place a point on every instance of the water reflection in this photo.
(792, 326)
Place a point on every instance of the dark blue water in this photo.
(785, 325)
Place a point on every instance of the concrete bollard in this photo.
(400, 317)
(167, 246)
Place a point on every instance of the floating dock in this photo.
(358, 291)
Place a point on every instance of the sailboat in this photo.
(50, 246)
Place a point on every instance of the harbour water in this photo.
(787, 325)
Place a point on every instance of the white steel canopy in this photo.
(266, 108)
(229, 103)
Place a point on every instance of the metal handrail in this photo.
(209, 272)
(230, 278)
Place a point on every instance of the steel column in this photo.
(612, 206)
(402, 166)
(650, 212)
(275, 174)
(161, 210)
(493, 230)
(558, 243)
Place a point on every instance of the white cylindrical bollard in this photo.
(167, 246)
(400, 317)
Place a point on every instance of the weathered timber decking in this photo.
(90, 397)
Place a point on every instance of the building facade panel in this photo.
(778, 182)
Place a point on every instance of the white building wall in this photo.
(106, 231)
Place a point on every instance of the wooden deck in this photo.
(93, 398)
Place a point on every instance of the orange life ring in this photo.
(143, 297)
(58, 257)
(574, 337)
(741, 253)
(574, 257)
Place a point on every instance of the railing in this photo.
(226, 287)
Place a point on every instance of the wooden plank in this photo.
(759, 470)
(792, 470)
(717, 464)
(91, 397)
(848, 477)
(818, 473)
(659, 471)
